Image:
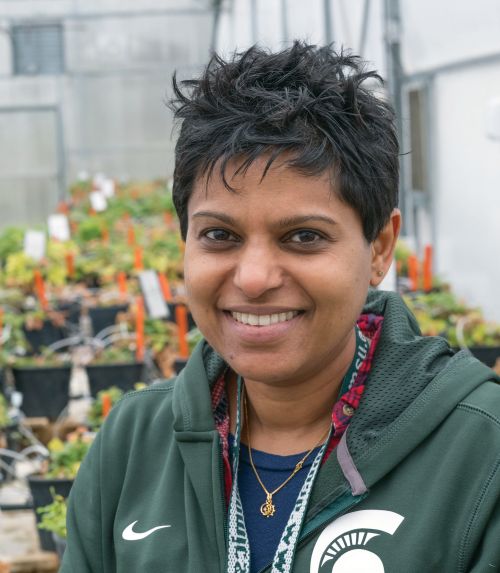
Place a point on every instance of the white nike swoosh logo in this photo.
(130, 535)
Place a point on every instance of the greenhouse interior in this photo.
(92, 297)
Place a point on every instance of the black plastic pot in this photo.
(179, 364)
(45, 390)
(104, 316)
(45, 336)
(124, 375)
(487, 354)
(40, 488)
(71, 310)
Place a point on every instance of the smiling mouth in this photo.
(264, 319)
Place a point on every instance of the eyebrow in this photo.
(285, 222)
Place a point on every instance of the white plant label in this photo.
(107, 187)
(153, 296)
(98, 201)
(59, 227)
(35, 244)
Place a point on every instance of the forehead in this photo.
(278, 184)
(283, 195)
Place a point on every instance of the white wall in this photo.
(445, 31)
(304, 20)
(467, 203)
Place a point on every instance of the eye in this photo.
(219, 235)
(305, 236)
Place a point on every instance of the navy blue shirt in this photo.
(264, 533)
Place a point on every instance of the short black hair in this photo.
(309, 102)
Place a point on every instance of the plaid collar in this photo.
(343, 409)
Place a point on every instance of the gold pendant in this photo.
(267, 508)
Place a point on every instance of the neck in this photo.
(286, 419)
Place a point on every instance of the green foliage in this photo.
(44, 359)
(158, 333)
(66, 457)
(194, 336)
(11, 241)
(54, 515)
(20, 270)
(443, 314)
(5, 419)
(401, 254)
(90, 229)
(95, 417)
(114, 354)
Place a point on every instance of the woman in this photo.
(314, 430)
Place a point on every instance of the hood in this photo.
(414, 384)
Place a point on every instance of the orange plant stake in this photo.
(413, 272)
(40, 290)
(70, 265)
(138, 264)
(106, 404)
(428, 268)
(139, 328)
(167, 216)
(130, 236)
(105, 235)
(122, 284)
(165, 287)
(182, 329)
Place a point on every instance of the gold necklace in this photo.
(268, 508)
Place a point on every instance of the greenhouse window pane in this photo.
(38, 49)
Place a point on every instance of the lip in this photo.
(261, 310)
(260, 334)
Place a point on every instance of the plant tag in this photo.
(107, 187)
(153, 295)
(59, 227)
(34, 244)
(98, 201)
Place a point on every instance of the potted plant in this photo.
(43, 381)
(441, 313)
(53, 520)
(104, 308)
(114, 365)
(60, 471)
(43, 328)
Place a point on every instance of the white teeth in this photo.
(264, 319)
(253, 319)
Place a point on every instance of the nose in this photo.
(258, 271)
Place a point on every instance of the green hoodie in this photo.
(414, 486)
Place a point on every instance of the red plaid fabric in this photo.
(343, 409)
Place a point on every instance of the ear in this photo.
(383, 248)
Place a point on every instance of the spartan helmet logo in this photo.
(341, 547)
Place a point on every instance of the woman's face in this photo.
(276, 273)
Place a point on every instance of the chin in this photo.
(267, 372)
